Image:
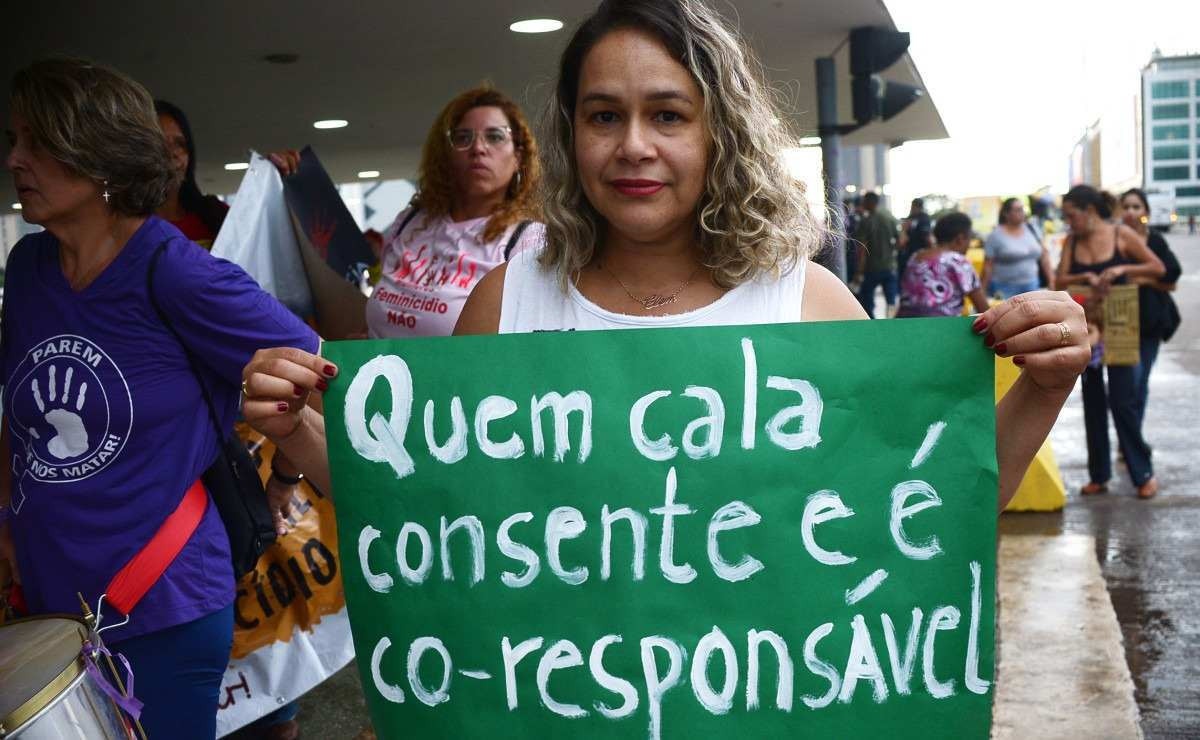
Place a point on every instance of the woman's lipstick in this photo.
(637, 188)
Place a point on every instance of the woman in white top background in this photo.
(668, 204)
(474, 207)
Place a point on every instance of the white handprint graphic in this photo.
(70, 438)
(72, 413)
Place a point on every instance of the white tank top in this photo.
(533, 301)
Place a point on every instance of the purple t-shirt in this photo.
(106, 423)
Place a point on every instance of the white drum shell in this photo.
(81, 712)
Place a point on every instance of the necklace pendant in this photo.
(657, 301)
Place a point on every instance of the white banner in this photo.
(274, 675)
(258, 237)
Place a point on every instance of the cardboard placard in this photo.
(1117, 317)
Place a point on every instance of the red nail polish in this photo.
(322, 384)
(282, 407)
(1019, 361)
(1001, 348)
(297, 390)
(330, 370)
(989, 340)
(979, 325)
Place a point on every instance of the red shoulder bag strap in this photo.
(144, 569)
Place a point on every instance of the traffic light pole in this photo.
(833, 256)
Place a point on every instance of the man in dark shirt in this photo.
(914, 235)
(876, 237)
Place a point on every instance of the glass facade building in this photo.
(1171, 130)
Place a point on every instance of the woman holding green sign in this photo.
(667, 204)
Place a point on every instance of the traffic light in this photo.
(875, 97)
(872, 50)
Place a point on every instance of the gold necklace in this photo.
(654, 300)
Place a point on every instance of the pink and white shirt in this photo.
(429, 270)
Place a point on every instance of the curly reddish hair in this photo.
(435, 188)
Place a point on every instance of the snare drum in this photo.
(45, 689)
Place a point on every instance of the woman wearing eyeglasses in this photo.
(473, 209)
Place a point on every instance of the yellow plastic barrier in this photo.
(1042, 487)
(975, 256)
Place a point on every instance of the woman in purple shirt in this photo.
(104, 423)
(938, 279)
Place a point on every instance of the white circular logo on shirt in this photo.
(71, 412)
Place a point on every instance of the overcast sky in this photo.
(1017, 83)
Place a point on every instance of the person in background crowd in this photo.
(876, 263)
(1013, 254)
(91, 166)
(652, 223)
(914, 235)
(938, 279)
(473, 210)
(197, 216)
(1192, 225)
(853, 211)
(475, 198)
(1158, 316)
(1099, 254)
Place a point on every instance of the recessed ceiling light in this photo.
(810, 140)
(16, 206)
(331, 123)
(235, 166)
(368, 174)
(536, 25)
(286, 57)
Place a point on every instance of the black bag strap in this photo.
(404, 224)
(512, 240)
(3, 332)
(191, 360)
(3, 325)
(1036, 236)
(508, 248)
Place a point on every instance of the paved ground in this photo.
(1061, 671)
(1148, 552)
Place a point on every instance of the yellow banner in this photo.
(297, 581)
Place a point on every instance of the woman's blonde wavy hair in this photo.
(752, 218)
(435, 187)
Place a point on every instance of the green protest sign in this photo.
(749, 532)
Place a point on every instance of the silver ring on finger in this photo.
(1065, 332)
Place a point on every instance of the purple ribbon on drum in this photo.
(126, 701)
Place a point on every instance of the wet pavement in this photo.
(1149, 551)
(1060, 668)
